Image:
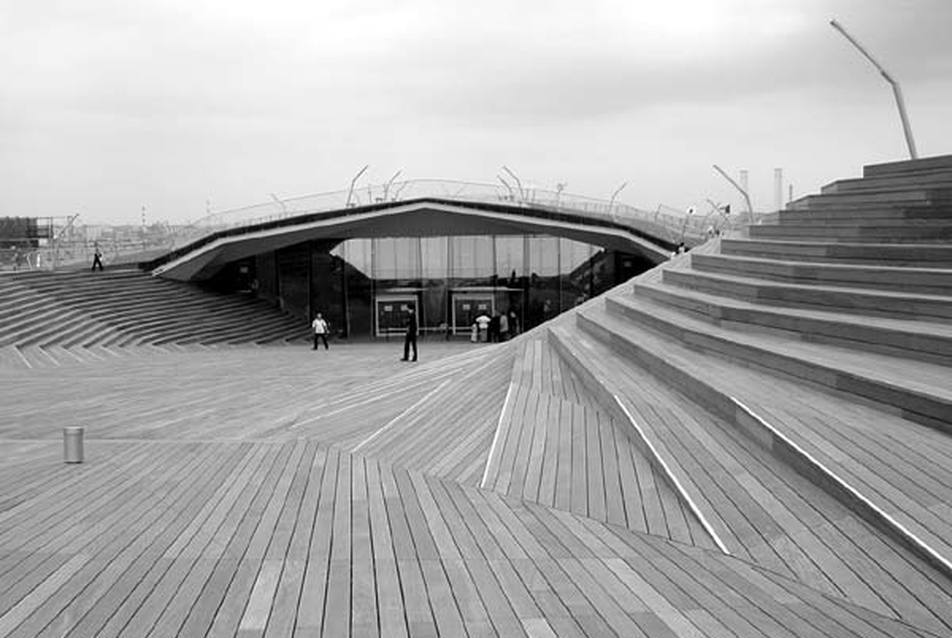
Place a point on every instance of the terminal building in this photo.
(364, 268)
(364, 286)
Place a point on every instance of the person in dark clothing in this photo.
(97, 258)
(494, 328)
(410, 339)
(513, 323)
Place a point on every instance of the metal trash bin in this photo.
(73, 444)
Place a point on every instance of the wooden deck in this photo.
(276, 491)
(716, 450)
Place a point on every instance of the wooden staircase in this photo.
(817, 348)
(130, 308)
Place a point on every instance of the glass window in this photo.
(543, 256)
(510, 258)
(355, 252)
(397, 258)
(573, 254)
(433, 252)
(472, 258)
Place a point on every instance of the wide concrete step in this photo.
(879, 303)
(930, 281)
(878, 454)
(938, 178)
(21, 304)
(129, 307)
(919, 340)
(914, 255)
(908, 167)
(639, 404)
(92, 335)
(865, 215)
(926, 231)
(26, 329)
(264, 328)
(235, 332)
(921, 196)
(916, 390)
(57, 329)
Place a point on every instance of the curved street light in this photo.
(277, 200)
(350, 193)
(522, 193)
(897, 92)
(512, 196)
(611, 202)
(386, 189)
(750, 209)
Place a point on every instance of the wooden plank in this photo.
(522, 449)
(287, 598)
(533, 476)
(149, 564)
(389, 598)
(311, 609)
(189, 501)
(563, 483)
(550, 457)
(611, 475)
(339, 602)
(364, 613)
(595, 466)
(579, 483)
(494, 598)
(420, 619)
(466, 596)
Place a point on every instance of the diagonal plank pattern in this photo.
(294, 538)
(754, 443)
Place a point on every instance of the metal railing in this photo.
(664, 223)
(72, 253)
(73, 249)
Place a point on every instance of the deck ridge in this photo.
(601, 385)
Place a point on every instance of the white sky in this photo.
(109, 105)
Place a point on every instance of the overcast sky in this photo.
(109, 105)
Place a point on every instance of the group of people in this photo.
(321, 329)
(494, 329)
(498, 327)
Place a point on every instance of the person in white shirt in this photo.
(320, 330)
(482, 323)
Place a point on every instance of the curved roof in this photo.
(416, 218)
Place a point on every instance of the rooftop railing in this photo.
(665, 223)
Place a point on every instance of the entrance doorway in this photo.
(391, 313)
(469, 305)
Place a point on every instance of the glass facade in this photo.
(365, 286)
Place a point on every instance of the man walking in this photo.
(320, 330)
(97, 258)
(411, 336)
